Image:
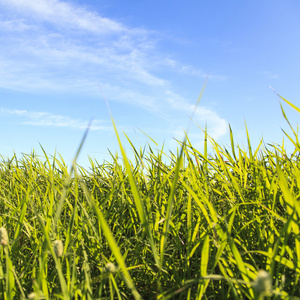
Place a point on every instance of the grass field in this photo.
(186, 225)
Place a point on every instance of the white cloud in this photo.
(51, 57)
(38, 118)
(80, 43)
(217, 126)
(56, 46)
(201, 115)
(64, 14)
(14, 25)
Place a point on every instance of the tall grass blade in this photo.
(137, 200)
(68, 179)
(288, 102)
(113, 245)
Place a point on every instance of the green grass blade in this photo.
(68, 180)
(137, 199)
(163, 239)
(113, 246)
(288, 102)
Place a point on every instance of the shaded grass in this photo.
(189, 225)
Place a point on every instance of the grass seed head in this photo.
(110, 267)
(3, 236)
(32, 296)
(58, 248)
(263, 283)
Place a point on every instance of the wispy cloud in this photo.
(38, 118)
(201, 115)
(53, 39)
(190, 70)
(48, 43)
(65, 14)
(270, 75)
(14, 25)
(52, 45)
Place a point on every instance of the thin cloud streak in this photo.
(191, 71)
(45, 119)
(65, 14)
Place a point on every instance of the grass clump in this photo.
(190, 225)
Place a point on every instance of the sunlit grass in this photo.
(189, 225)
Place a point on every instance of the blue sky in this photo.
(60, 61)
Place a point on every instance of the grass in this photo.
(186, 225)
